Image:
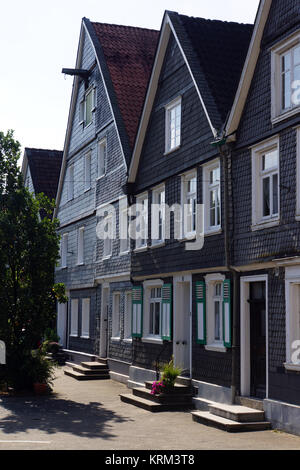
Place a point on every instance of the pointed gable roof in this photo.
(44, 168)
(214, 53)
(129, 54)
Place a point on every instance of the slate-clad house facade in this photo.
(188, 99)
(111, 74)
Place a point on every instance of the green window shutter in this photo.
(227, 313)
(166, 313)
(201, 312)
(137, 312)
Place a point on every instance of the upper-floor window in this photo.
(158, 215)
(87, 107)
(101, 157)
(123, 225)
(212, 196)
(64, 250)
(286, 78)
(70, 182)
(80, 248)
(142, 221)
(173, 125)
(265, 184)
(87, 171)
(189, 203)
(116, 317)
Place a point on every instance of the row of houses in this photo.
(205, 116)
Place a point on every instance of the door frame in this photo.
(104, 325)
(245, 359)
(177, 280)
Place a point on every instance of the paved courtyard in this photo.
(89, 415)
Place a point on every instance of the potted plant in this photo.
(42, 373)
(169, 376)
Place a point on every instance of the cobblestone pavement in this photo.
(89, 415)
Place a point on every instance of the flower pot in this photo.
(40, 388)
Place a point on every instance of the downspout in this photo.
(225, 153)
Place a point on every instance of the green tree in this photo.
(29, 250)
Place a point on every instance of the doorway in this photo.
(104, 322)
(182, 325)
(254, 341)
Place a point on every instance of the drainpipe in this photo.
(225, 154)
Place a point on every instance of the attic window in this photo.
(173, 125)
(87, 106)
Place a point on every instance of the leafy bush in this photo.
(170, 373)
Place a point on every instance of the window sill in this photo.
(167, 152)
(115, 339)
(106, 257)
(127, 340)
(188, 238)
(84, 337)
(216, 347)
(157, 245)
(140, 249)
(152, 339)
(80, 264)
(87, 190)
(292, 367)
(100, 177)
(265, 224)
(123, 253)
(73, 336)
(211, 232)
(285, 115)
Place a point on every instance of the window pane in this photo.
(275, 194)
(270, 160)
(88, 108)
(157, 312)
(266, 197)
(101, 158)
(151, 318)
(286, 90)
(286, 62)
(217, 321)
(297, 55)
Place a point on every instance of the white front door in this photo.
(182, 325)
(103, 322)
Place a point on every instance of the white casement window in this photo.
(64, 250)
(116, 317)
(152, 311)
(212, 197)
(123, 226)
(158, 216)
(298, 175)
(102, 146)
(214, 312)
(70, 182)
(107, 242)
(85, 318)
(286, 78)
(265, 184)
(142, 221)
(87, 106)
(87, 171)
(173, 125)
(74, 317)
(128, 316)
(292, 292)
(189, 204)
(80, 247)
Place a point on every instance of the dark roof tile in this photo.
(45, 170)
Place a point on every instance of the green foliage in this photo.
(29, 251)
(40, 369)
(51, 335)
(170, 373)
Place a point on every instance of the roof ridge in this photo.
(213, 20)
(42, 149)
(124, 26)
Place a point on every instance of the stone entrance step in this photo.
(232, 418)
(88, 371)
(178, 399)
(251, 402)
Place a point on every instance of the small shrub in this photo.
(170, 373)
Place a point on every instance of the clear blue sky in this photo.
(40, 37)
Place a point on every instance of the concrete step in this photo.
(178, 388)
(254, 403)
(92, 371)
(91, 366)
(228, 425)
(202, 404)
(152, 406)
(79, 376)
(162, 398)
(237, 413)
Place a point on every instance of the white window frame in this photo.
(142, 200)
(258, 220)
(277, 113)
(158, 215)
(209, 187)
(83, 107)
(116, 317)
(212, 344)
(298, 175)
(80, 246)
(108, 242)
(128, 316)
(185, 195)
(101, 160)
(123, 226)
(168, 110)
(74, 317)
(292, 297)
(70, 182)
(147, 336)
(64, 250)
(87, 171)
(85, 317)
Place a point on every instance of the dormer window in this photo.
(286, 79)
(87, 107)
(173, 125)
